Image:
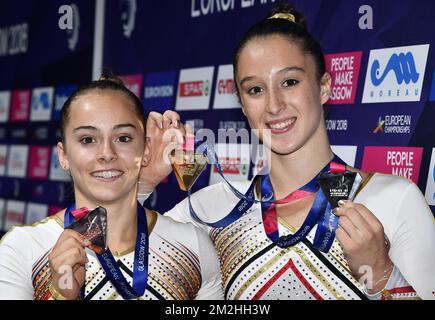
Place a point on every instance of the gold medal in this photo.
(189, 169)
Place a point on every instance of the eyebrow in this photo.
(287, 69)
(291, 69)
(117, 127)
(124, 125)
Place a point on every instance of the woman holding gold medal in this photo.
(143, 255)
(384, 244)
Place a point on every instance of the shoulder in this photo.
(214, 202)
(391, 199)
(22, 256)
(41, 233)
(386, 182)
(192, 246)
(188, 234)
(389, 185)
(181, 231)
(222, 189)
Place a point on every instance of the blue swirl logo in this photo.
(403, 66)
(43, 101)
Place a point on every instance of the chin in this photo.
(282, 151)
(282, 147)
(107, 197)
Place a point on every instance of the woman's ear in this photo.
(61, 153)
(241, 104)
(146, 153)
(325, 88)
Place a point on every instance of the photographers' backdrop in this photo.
(178, 55)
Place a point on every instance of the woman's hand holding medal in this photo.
(67, 265)
(361, 235)
(164, 134)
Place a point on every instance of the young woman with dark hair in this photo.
(384, 246)
(149, 256)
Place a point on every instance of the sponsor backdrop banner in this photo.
(380, 113)
(42, 60)
(178, 55)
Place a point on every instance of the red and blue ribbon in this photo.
(110, 265)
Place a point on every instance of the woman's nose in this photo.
(107, 152)
(275, 103)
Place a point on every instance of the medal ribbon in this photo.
(246, 200)
(109, 264)
(320, 212)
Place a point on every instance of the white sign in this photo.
(395, 74)
(346, 153)
(194, 88)
(56, 171)
(234, 160)
(225, 96)
(3, 159)
(14, 215)
(42, 103)
(430, 185)
(5, 102)
(35, 212)
(2, 213)
(17, 161)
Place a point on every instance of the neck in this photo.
(121, 220)
(299, 166)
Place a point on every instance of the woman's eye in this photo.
(87, 140)
(124, 139)
(254, 90)
(290, 83)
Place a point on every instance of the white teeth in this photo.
(107, 174)
(281, 125)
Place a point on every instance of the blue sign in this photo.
(159, 90)
(403, 66)
(61, 95)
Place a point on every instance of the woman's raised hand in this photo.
(165, 133)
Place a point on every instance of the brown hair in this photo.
(292, 30)
(107, 81)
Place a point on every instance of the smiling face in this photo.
(279, 91)
(103, 147)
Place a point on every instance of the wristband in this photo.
(56, 295)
